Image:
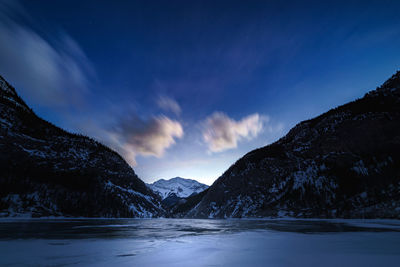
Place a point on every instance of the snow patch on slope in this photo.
(181, 187)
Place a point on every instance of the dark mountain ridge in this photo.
(343, 163)
(46, 170)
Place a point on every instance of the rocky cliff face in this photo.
(45, 170)
(344, 163)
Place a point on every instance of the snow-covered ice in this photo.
(175, 242)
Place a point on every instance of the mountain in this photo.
(181, 187)
(47, 171)
(180, 208)
(344, 163)
(173, 190)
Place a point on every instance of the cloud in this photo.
(48, 72)
(169, 104)
(222, 133)
(133, 136)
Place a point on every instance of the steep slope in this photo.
(180, 187)
(48, 171)
(344, 163)
(184, 205)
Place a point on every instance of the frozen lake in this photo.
(186, 242)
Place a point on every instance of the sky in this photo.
(185, 88)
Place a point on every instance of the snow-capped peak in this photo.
(181, 187)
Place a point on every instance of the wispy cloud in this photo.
(169, 104)
(49, 72)
(222, 133)
(132, 136)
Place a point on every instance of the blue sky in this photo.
(185, 88)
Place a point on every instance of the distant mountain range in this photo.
(173, 190)
(181, 187)
(344, 163)
(46, 171)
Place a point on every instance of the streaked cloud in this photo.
(52, 72)
(222, 133)
(133, 136)
(169, 104)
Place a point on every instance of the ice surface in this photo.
(173, 242)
